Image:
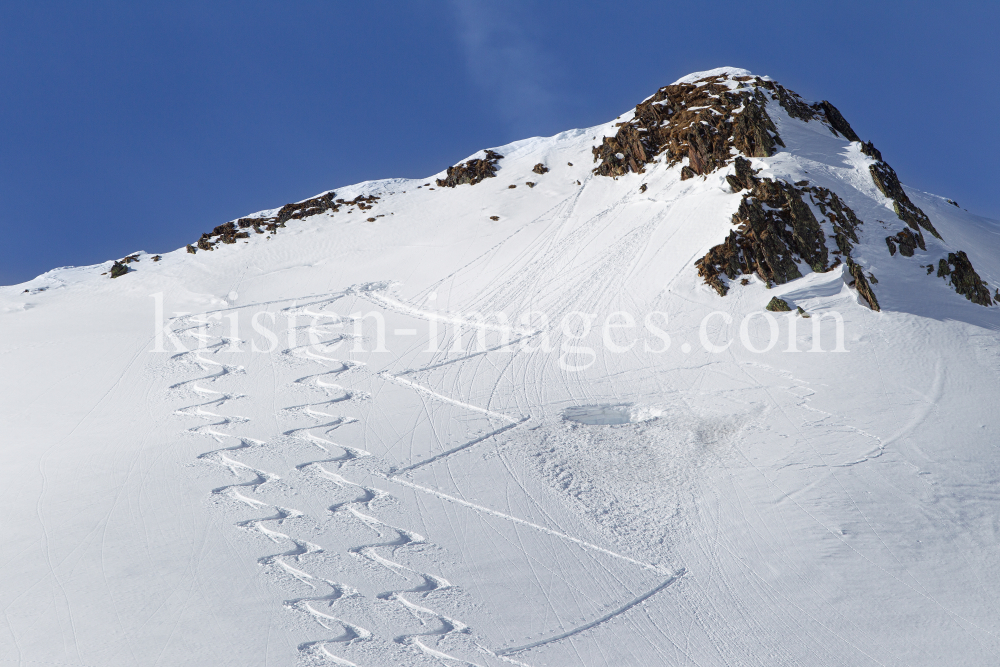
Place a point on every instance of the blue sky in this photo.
(131, 126)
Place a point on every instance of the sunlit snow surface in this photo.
(324, 503)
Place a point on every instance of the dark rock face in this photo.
(753, 129)
(838, 122)
(700, 121)
(964, 278)
(703, 121)
(118, 269)
(777, 305)
(868, 148)
(776, 229)
(472, 171)
(861, 284)
(793, 105)
(540, 168)
(303, 209)
(845, 222)
(908, 242)
(744, 178)
(191, 249)
(888, 183)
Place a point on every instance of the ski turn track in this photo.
(293, 561)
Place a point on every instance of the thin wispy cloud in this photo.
(507, 63)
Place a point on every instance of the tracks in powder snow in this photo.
(294, 559)
(298, 559)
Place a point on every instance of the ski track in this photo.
(593, 624)
(293, 560)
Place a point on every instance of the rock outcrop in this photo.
(888, 184)
(861, 284)
(777, 305)
(704, 121)
(958, 270)
(700, 121)
(838, 122)
(907, 241)
(230, 232)
(776, 230)
(472, 171)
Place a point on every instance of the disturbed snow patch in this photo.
(606, 414)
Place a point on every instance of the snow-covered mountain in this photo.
(704, 385)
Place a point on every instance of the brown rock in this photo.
(472, 171)
(540, 168)
(838, 122)
(775, 229)
(964, 278)
(744, 178)
(778, 305)
(700, 121)
(868, 148)
(118, 269)
(861, 284)
(888, 183)
(753, 128)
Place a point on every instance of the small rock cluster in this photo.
(964, 278)
(229, 232)
(907, 241)
(472, 171)
(956, 267)
(120, 267)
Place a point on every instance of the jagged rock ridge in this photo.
(708, 124)
(715, 121)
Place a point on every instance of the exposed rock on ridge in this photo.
(701, 121)
(230, 232)
(776, 230)
(704, 121)
(888, 184)
(964, 278)
(472, 171)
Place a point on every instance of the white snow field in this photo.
(309, 497)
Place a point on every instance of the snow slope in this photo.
(316, 499)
